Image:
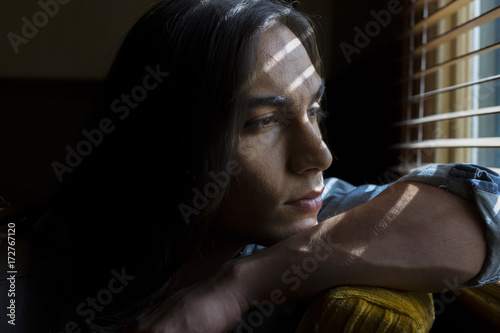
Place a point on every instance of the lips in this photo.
(310, 202)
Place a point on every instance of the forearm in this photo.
(411, 236)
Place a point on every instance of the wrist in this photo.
(236, 278)
(295, 269)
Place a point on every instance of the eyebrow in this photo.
(282, 101)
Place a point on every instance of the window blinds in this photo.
(449, 87)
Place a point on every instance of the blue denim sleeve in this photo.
(340, 196)
(472, 182)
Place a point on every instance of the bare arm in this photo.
(412, 236)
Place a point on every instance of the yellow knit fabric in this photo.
(369, 310)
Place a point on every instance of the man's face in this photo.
(280, 150)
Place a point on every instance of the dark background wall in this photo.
(48, 81)
(362, 94)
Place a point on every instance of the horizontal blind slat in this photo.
(492, 142)
(450, 116)
(451, 34)
(441, 13)
(452, 88)
(455, 60)
(421, 3)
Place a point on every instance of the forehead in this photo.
(283, 64)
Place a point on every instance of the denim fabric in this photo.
(340, 196)
(472, 182)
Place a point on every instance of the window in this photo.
(451, 96)
(451, 83)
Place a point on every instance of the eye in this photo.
(262, 123)
(316, 113)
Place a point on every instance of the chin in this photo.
(303, 225)
(288, 231)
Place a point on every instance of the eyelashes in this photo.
(278, 118)
(260, 124)
(317, 113)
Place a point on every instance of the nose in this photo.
(307, 150)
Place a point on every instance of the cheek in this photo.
(253, 208)
(258, 147)
(259, 185)
(263, 161)
(255, 194)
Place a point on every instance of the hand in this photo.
(211, 305)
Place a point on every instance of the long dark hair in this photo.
(172, 112)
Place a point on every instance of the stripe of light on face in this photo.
(280, 55)
(300, 79)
